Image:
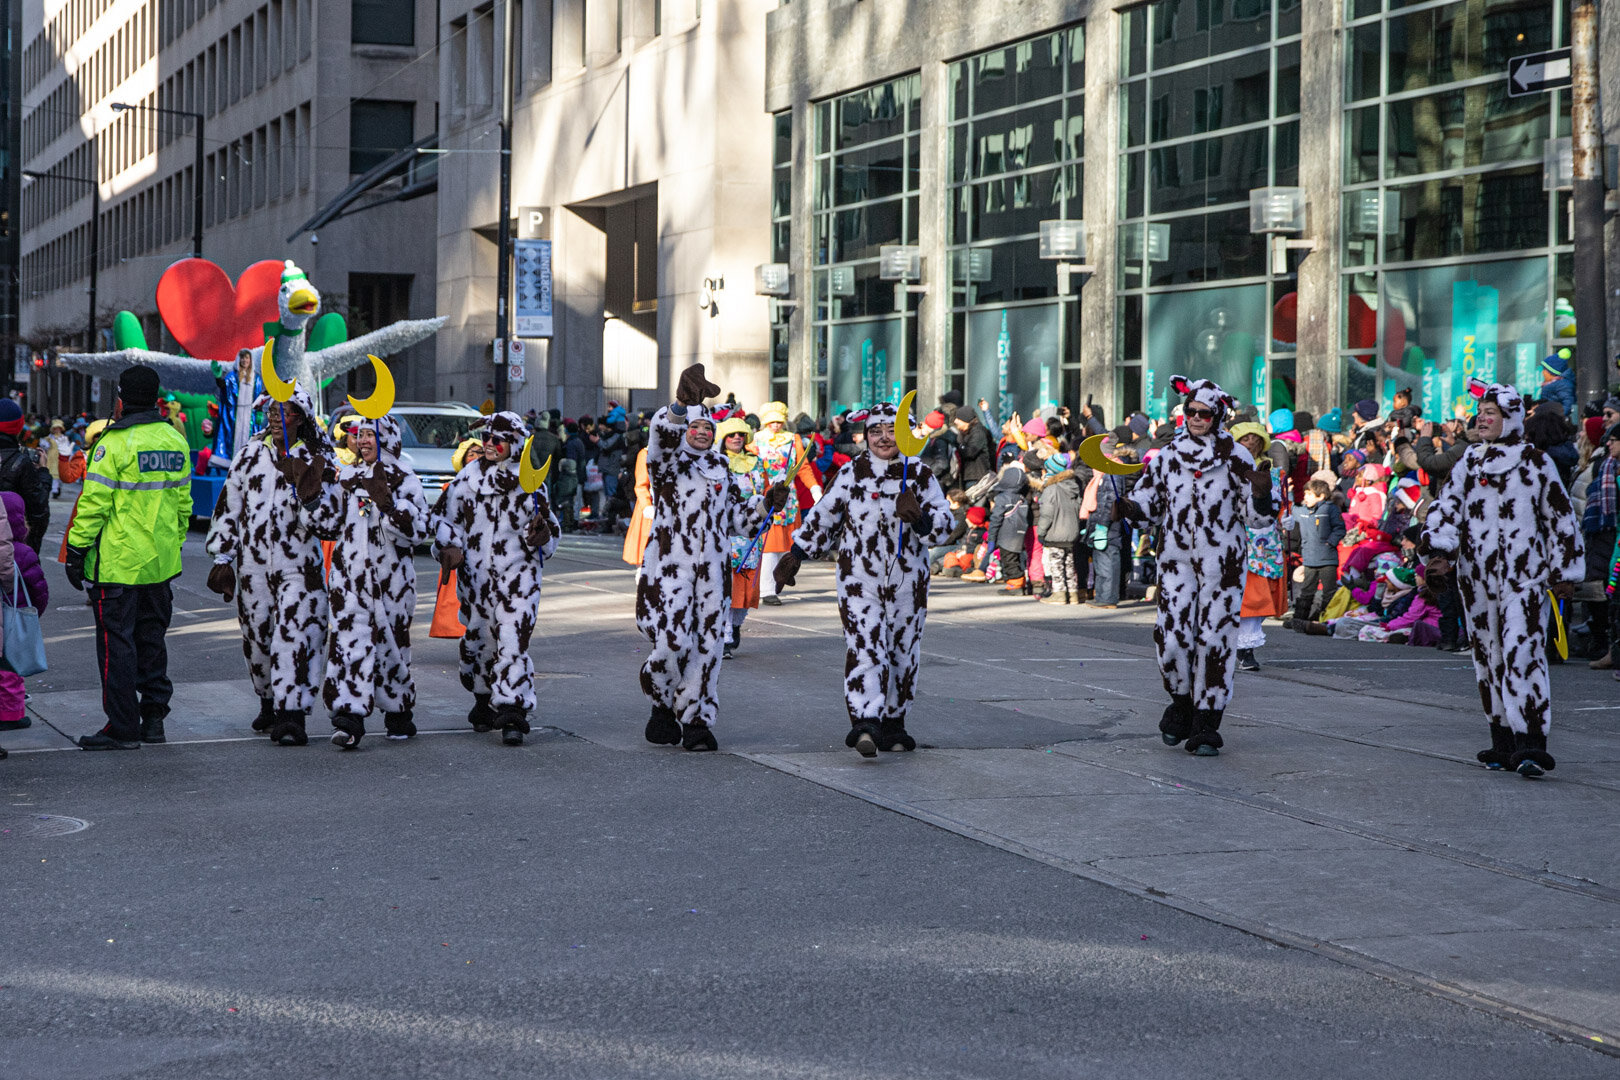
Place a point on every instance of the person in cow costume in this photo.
(497, 536)
(882, 512)
(1505, 525)
(280, 499)
(1204, 491)
(683, 598)
(373, 585)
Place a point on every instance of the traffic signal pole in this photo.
(1592, 371)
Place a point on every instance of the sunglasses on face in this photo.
(1200, 414)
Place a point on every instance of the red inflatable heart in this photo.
(210, 318)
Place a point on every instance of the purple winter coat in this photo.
(33, 575)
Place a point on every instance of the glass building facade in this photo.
(1017, 152)
(1456, 262)
(865, 182)
(1210, 101)
(1434, 251)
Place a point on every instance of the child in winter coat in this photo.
(1058, 527)
(1321, 527)
(12, 716)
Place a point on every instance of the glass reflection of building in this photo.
(1440, 254)
(1210, 100)
(1017, 145)
(865, 197)
(1456, 262)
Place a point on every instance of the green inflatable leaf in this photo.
(329, 330)
(127, 332)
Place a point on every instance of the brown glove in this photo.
(907, 508)
(450, 558)
(309, 484)
(777, 497)
(539, 533)
(1439, 566)
(222, 580)
(1563, 590)
(376, 485)
(787, 571)
(694, 387)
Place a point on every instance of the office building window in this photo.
(1210, 110)
(1017, 146)
(377, 129)
(865, 182)
(1456, 258)
(781, 239)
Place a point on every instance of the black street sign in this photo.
(1536, 73)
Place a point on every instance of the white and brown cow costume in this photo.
(882, 582)
(683, 597)
(1506, 524)
(373, 591)
(1200, 491)
(505, 534)
(270, 538)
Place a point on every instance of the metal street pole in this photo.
(503, 243)
(1591, 285)
(94, 244)
(197, 185)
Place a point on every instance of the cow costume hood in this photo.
(1505, 398)
(302, 401)
(1202, 452)
(507, 427)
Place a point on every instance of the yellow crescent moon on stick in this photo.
(529, 477)
(1561, 639)
(1091, 453)
(381, 400)
(278, 390)
(904, 437)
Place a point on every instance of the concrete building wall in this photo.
(301, 73)
(670, 118)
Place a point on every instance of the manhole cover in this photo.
(34, 826)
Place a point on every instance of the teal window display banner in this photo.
(1014, 362)
(861, 367)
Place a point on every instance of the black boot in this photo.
(152, 726)
(1177, 722)
(1500, 755)
(662, 727)
(1530, 757)
(513, 723)
(347, 730)
(288, 730)
(892, 737)
(482, 715)
(1205, 741)
(862, 737)
(267, 716)
(698, 736)
(1246, 660)
(399, 725)
(2, 753)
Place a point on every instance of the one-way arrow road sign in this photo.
(1536, 73)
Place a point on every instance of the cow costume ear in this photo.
(858, 416)
(1180, 385)
(1476, 388)
(1228, 402)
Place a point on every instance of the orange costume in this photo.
(778, 452)
(635, 537)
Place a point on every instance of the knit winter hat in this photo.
(1332, 422)
(138, 387)
(1409, 491)
(1056, 464)
(1593, 426)
(1400, 578)
(1557, 364)
(11, 417)
(1367, 409)
(976, 515)
(1140, 424)
(1281, 420)
(773, 412)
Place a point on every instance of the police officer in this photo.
(125, 545)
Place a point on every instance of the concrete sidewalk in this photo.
(1347, 815)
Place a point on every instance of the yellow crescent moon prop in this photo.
(278, 390)
(904, 437)
(381, 400)
(529, 477)
(1091, 452)
(1561, 639)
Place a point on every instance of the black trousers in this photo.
(134, 661)
(1326, 578)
